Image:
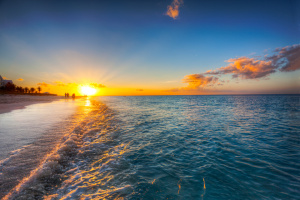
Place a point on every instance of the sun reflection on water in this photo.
(87, 102)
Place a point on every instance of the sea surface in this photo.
(161, 147)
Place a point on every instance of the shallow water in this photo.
(27, 135)
(23, 126)
(175, 147)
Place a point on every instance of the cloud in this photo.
(246, 68)
(20, 79)
(43, 84)
(139, 90)
(173, 9)
(199, 80)
(286, 59)
(96, 85)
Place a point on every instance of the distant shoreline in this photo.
(32, 94)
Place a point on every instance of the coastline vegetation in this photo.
(10, 88)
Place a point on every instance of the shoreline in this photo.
(26, 158)
(11, 102)
(5, 108)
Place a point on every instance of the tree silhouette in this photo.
(19, 89)
(32, 90)
(10, 86)
(39, 89)
(26, 89)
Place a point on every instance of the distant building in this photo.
(4, 82)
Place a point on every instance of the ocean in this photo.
(154, 147)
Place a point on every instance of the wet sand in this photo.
(9, 103)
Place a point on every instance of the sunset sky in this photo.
(156, 47)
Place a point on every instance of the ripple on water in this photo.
(243, 147)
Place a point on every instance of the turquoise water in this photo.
(177, 147)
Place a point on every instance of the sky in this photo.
(157, 47)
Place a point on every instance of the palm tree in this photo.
(39, 89)
(26, 89)
(18, 89)
(32, 90)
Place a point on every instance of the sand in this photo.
(9, 103)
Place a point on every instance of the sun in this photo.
(87, 90)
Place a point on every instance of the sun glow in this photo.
(87, 90)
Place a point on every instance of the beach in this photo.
(9, 102)
(30, 128)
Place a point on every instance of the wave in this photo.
(74, 149)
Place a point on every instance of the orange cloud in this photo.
(199, 80)
(285, 59)
(43, 84)
(20, 79)
(173, 9)
(246, 68)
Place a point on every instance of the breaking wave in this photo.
(61, 169)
